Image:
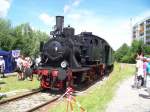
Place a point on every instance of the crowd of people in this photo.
(23, 67)
(142, 72)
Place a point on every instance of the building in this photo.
(141, 31)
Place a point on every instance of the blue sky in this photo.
(109, 19)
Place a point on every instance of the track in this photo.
(33, 101)
(28, 103)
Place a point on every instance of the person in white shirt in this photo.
(139, 76)
(2, 65)
(140, 72)
(140, 68)
(19, 69)
(37, 61)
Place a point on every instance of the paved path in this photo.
(128, 99)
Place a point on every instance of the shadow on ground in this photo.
(144, 96)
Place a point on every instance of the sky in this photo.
(111, 20)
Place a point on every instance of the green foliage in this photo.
(126, 54)
(137, 46)
(121, 52)
(21, 37)
(6, 40)
(146, 49)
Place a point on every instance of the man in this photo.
(2, 66)
(139, 78)
(19, 68)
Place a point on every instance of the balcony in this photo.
(148, 21)
(148, 42)
(147, 34)
(147, 24)
(147, 28)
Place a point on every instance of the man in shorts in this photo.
(19, 69)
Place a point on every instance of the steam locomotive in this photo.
(70, 60)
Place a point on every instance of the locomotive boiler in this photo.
(70, 60)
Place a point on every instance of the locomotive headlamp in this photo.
(56, 48)
(63, 64)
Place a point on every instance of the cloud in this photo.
(67, 8)
(74, 16)
(116, 31)
(48, 20)
(4, 7)
(79, 15)
(72, 5)
(76, 2)
(140, 17)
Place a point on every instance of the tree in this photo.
(146, 50)
(27, 40)
(6, 39)
(21, 37)
(121, 52)
(137, 46)
(127, 54)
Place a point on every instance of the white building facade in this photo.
(141, 31)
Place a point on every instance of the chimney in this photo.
(59, 23)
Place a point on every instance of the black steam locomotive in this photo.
(70, 60)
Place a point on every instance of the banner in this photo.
(15, 53)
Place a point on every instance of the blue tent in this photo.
(9, 61)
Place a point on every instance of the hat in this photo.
(148, 59)
(27, 58)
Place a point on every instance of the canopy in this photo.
(4, 53)
(9, 61)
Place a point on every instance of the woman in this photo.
(27, 70)
(148, 76)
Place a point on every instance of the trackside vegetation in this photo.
(11, 83)
(127, 54)
(96, 99)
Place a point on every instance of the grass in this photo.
(96, 99)
(11, 83)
